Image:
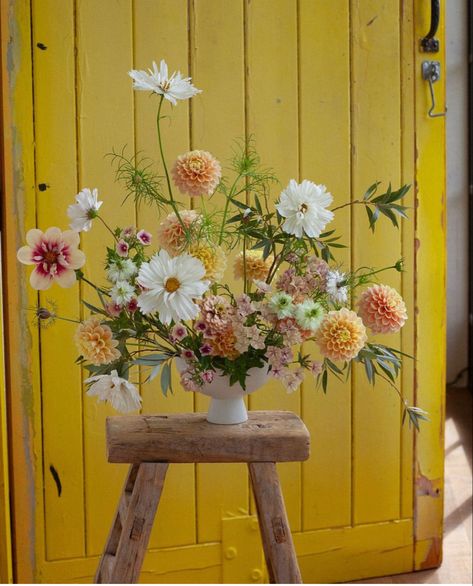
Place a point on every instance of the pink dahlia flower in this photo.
(56, 256)
(382, 309)
(197, 173)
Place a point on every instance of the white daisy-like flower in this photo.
(304, 207)
(282, 305)
(173, 88)
(121, 394)
(336, 286)
(122, 293)
(170, 286)
(85, 210)
(309, 314)
(121, 270)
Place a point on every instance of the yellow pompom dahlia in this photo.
(256, 267)
(382, 309)
(95, 342)
(341, 335)
(212, 257)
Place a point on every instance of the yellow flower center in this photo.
(196, 165)
(343, 335)
(172, 284)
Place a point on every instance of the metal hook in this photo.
(431, 73)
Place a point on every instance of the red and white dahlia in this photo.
(55, 255)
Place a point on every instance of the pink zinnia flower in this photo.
(56, 256)
(144, 237)
(132, 305)
(122, 248)
(382, 309)
(113, 309)
(178, 332)
(197, 173)
(208, 376)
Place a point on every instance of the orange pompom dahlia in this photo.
(95, 342)
(197, 173)
(382, 309)
(341, 335)
(170, 233)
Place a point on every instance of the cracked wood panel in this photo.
(160, 31)
(55, 140)
(217, 63)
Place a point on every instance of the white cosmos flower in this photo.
(170, 286)
(336, 286)
(173, 88)
(121, 394)
(303, 205)
(122, 293)
(309, 314)
(121, 270)
(85, 210)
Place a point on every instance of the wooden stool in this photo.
(150, 443)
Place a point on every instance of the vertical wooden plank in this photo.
(408, 46)
(430, 308)
(375, 155)
(105, 110)
(55, 132)
(160, 32)
(22, 360)
(272, 82)
(6, 569)
(218, 117)
(325, 158)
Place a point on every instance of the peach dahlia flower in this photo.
(170, 233)
(382, 309)
(95, 342)
(341, 335)
(213, 258)
(197, 173)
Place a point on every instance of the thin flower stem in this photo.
(168, 180)
(108, 227)
(99, 289)
(350, 203)
(225, 210)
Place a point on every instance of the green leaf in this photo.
(94, 309)
(165, 379)
(370, 191)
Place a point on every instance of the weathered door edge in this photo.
(430, 300)
(22, 356)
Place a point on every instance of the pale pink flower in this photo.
(132, 305)
(200, 326)
(341, 335)
(122, 248)
(382, 309)
(128, 232)
(170, 234)
(262, 286)
(316, 367)
(178, 332)
(188, 381)
(208, 376)
(205, 349)
(244, 305)
(144, 237)
(197, 173)
(55, 255)
(113, 309)
(188, 355)
(292, 379)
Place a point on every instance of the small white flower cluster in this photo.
(308, 314)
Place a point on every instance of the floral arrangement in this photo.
(156, 305)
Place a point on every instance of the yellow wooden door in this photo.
(331, 91)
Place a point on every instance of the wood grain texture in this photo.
(278, 546)
(267, 436)
(123, 557)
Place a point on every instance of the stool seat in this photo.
(151, 442)
(267, 436)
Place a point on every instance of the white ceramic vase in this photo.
(227, 406)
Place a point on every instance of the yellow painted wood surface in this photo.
(332, 92)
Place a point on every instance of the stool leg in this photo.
(275, 532)
(128, 539)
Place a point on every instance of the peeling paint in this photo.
(433, 558)
(427, 487)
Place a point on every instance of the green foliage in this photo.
(385, 204)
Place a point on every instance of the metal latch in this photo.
(431, 73)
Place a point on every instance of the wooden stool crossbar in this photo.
(151, 443)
